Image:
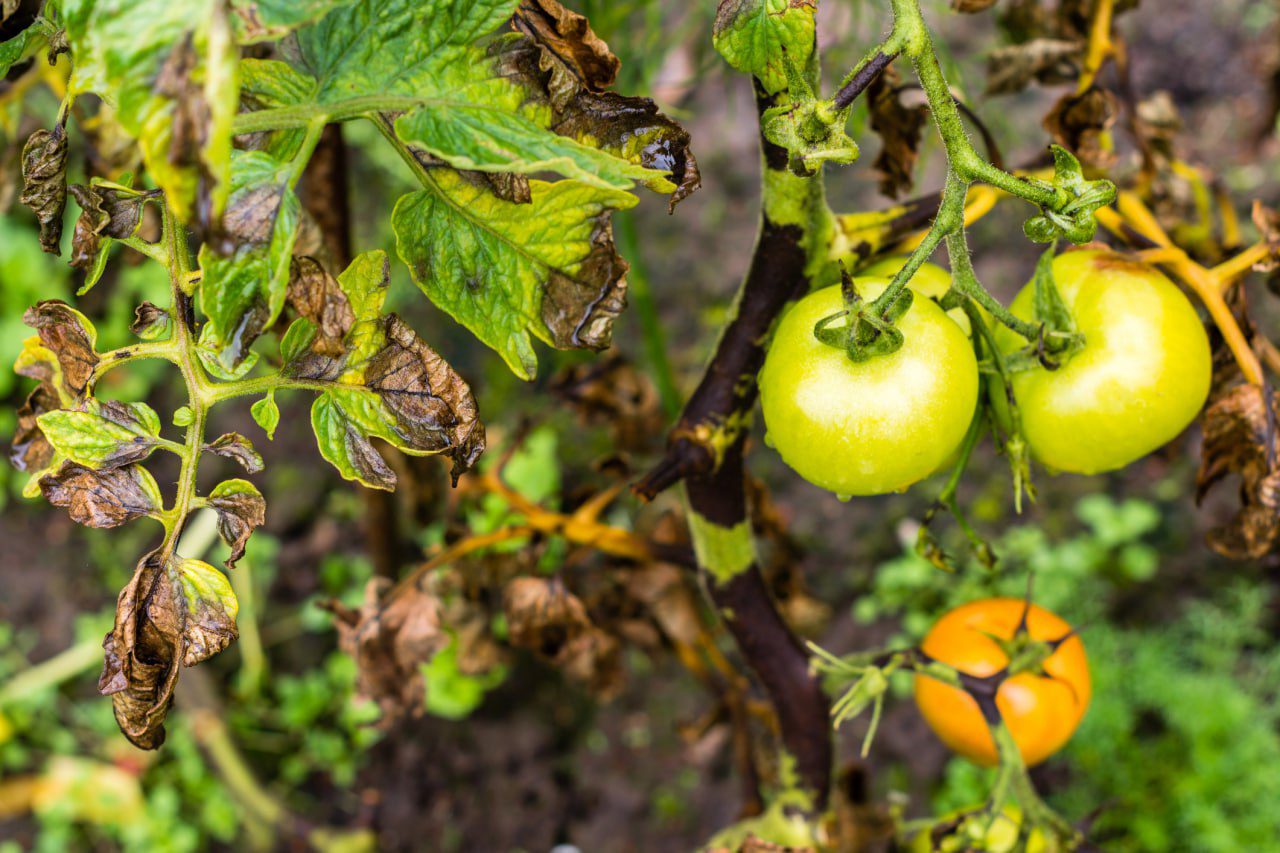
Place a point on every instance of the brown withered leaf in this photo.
(241, 510)
(433, 405)
(1046, 60)
(105, 498)
(149, 321)
(594, 659)
(316, 295)
(63, 332)
(1078, 122)
(44, 182)
(579, 310)
(612, 392)
(561, 62)
(105, 212)
(31, 452)
(1240, 437)
(236, 447)
(1268, 222)
(900, 129)
(568, 36)
(173, 611)
(970, 7)
(1157, 122)
(543, 615)
(389, 645)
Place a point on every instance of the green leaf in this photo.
(183, 416)
(241, 509)
(267, 414)
(104, 435)
(24, 44)
(488, 138)
(506, 271)
(339, 420)
(297, 339)
(243, 290)
(755, 36)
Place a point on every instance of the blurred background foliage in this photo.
(1180, 750)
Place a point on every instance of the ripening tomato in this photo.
(1041, 713)
(1140, 379)
(873, 427)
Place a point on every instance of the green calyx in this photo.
(811, 130)
(1072, 214)
(868, 331)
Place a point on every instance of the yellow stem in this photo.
(1233, 268)
(1099, 43)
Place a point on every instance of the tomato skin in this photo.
(1041, 713)
(1140, 380)
(874, 427)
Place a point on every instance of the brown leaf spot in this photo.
(62, 332)
(579, 311)
(236, 447)
(238, 516)
(568, 37)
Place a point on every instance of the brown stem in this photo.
(850, 91)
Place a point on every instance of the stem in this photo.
(304, 115)
(862, 76)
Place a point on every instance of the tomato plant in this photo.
(225, 147)
(1041, 708)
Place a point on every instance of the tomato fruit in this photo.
(1140, 379)
(872, 427)
(1040, 712)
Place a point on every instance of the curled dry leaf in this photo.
(105, 212)
(579, 310)
(44, 187)
(543, 615)
(241, 510)
(150, 321)
(1240, 437)
(900, 128)
(1047, 60)
(236, 447)
(611, 391)
(1077, 122)
(1268, 222)
(174, 611)
(1157, 123)
(70, 337)
(562, 64)
(389, 643)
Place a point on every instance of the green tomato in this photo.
(1140, 379)
(874, 427)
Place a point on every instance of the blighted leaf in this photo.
(107, 213)
(69, 338)
(246, 275)
(105, 498)
(1267, 221)
(900, 129)
(505, 271)
(174, 611)
(758, 36)
(1158, 123)
(167, 69)
(563, 75)
(390, 642)
(236, 447)
(385, 381)
(103, 435)
(543, 615)
(1048, 60)
(241, 510)
(1240, 437)
(267, 414)
(151, 322)
(1079, 123)
(594, 659)
(269, 20)
(44, 182)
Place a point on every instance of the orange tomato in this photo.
(1040, 712)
